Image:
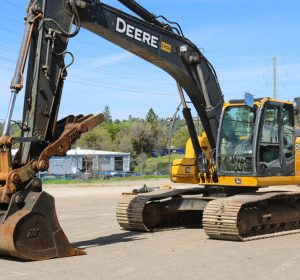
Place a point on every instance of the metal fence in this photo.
(95, 168)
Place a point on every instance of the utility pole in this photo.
(274, 77)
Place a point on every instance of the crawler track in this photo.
(248, 217)
(156, 211)
(240, 217)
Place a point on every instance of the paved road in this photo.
(87, 215)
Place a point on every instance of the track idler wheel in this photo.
(29, 229)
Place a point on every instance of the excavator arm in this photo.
(158, 44)
(49, 25)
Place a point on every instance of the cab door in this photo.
(288, 136)
(275, 153)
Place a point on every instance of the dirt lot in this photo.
(87, 214)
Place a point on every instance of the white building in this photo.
(93, 162)
(90, 161)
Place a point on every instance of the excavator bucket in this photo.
(30, 230)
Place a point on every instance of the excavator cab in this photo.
(255, 144)
(258, 140)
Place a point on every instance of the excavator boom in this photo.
(28, 214)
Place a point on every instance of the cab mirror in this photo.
(249, 99)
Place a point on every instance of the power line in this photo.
(100, 71)
(115, 74)
(9, 31)
(13, 20)
(8, 49)
(7, 59)
(119, 82)
(130, 90)
(87, 54)
(73, 42)
(10, 3)
(122, 87)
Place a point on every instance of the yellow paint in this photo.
(186, 170)
(297, 156)
(204, 144)
(230, 181)
(259, 103)
(166, 47)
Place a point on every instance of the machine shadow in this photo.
(10, 258)
(111, 239)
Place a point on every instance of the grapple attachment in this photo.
(30, 229)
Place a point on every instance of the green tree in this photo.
(136, 136)
(1, 127)
(97, 139)
(151, 117)
(107, 113)
(159, 165)
(180, 138)
(139, 137)
(141, 162)
(113, 129)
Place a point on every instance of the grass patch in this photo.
(130, 178)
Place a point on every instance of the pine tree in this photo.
(151, 117)
(107, 113)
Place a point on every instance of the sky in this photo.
(239, 37)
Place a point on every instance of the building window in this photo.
(104, 164)
(118, 164)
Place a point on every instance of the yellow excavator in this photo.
(256, 148)
(246, 144)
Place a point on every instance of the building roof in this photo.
(83, 152)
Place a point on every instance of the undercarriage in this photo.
(241, 217)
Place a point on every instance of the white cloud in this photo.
(107, 60)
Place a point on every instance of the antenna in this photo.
(275, 77)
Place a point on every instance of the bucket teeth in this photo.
(31, 231)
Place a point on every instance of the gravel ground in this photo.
(87, 214)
